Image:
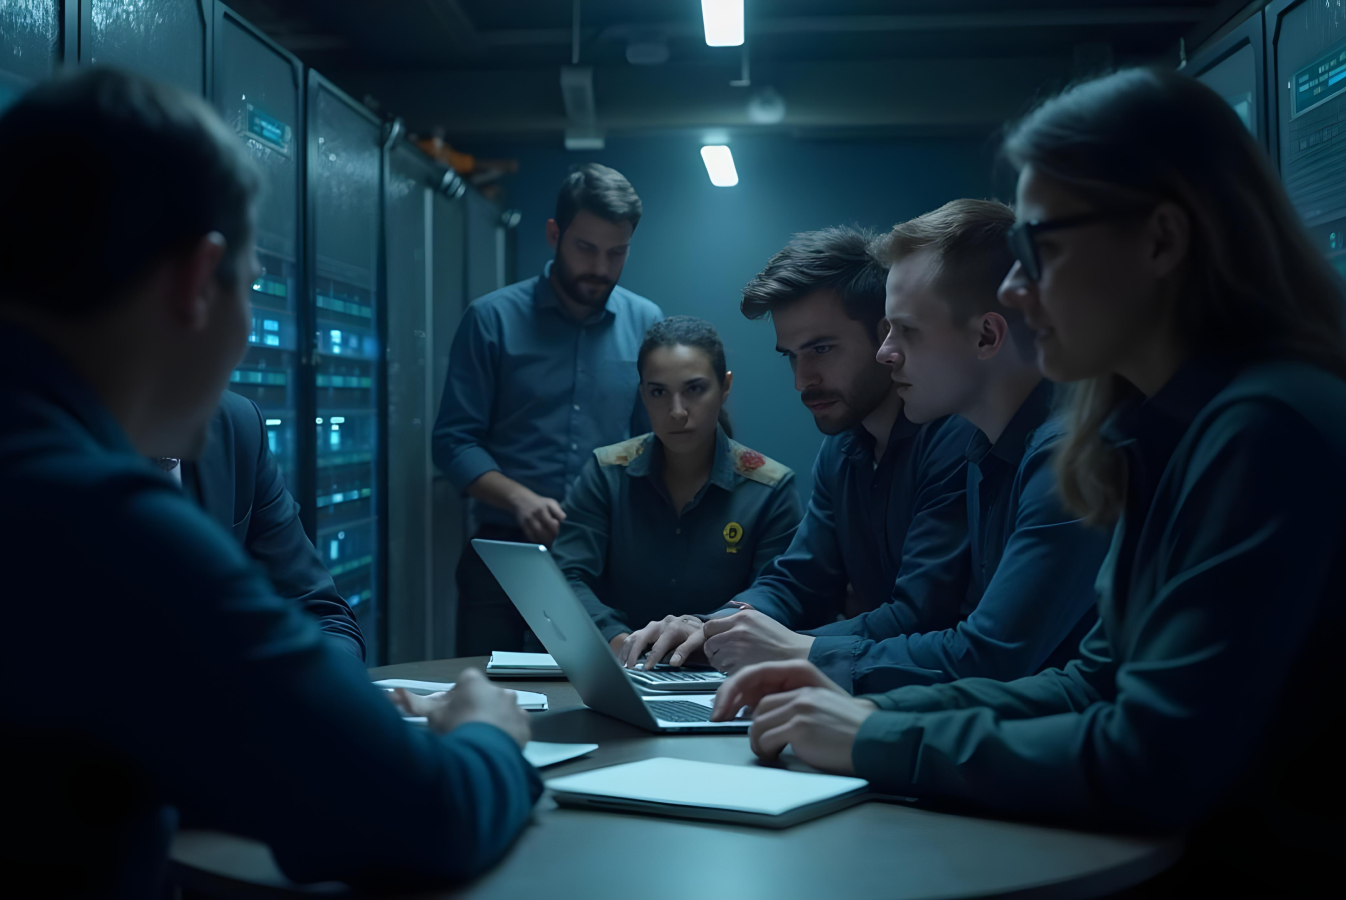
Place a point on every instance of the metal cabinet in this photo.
(1306, 90)
(168, 40)
(345, 350)
(408, 266)
(30, 44)
(1235, 68)
(448, 513)
(258, 90)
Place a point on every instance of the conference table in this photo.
(875, 851)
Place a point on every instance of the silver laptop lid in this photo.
(539, 589)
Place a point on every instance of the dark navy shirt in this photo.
(1030, 598)
(633, 559)
(868, 523)
(531, 392)
(1210, 693)
(176, 686)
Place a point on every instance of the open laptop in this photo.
(533, 581)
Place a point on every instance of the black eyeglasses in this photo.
(1023, 235)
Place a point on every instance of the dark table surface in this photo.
(875, 851)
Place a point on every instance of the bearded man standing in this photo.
(541, 373)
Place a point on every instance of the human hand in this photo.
(616, 644)
(681, 634)
(539, 517)
(748, 637)
(473, 699)
(794, 703)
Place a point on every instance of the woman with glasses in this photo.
(673, 523)
(1165, 273)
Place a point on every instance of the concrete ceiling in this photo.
(491, 69)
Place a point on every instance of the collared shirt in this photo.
(632, 558)
(867, 524)
(1030, 597)
(1210, 693)
(531, 392)
(216, 701)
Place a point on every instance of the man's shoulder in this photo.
(622, 453)
(756, 467)
(634, 305)
(510, 299)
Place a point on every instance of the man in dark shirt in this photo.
(541, 374)
(887, 495)
(237, 480)
(955, 350)
(204, 698)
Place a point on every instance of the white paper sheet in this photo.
(505, 659)
(543, 754)
(529, 700)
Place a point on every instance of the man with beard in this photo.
(542, 373)
(888, 498)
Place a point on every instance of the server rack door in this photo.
(1307, 86)
(407, 268)
(344, 219)
(484, 246)
(258, 92)
(448, 530)
(1234, 67)
(30, 44)
(168, 40)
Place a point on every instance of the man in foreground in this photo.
(175, 686)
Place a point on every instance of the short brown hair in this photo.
(970, 241)
(833, 259)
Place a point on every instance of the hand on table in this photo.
(473, 699)
(748, 637)
(681, 635)
(539, 517)
(794, 703)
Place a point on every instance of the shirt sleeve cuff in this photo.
(885, 751)
(835, 657)
(469, 465)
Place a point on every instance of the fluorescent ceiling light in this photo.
(724, 22)
(720, 165)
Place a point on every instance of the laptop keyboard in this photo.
(665, 676)
(678, 710)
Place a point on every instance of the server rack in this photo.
(168, 40)
(258, 90)
(409, 176)
(1235, 67)
(1306, 89)
(345, 350)
(32, 49)
(448, 514)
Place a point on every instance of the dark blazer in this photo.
(238, 481)
(174, 687)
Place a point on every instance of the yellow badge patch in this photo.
(733, 533)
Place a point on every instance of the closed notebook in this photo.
(745, 795)
(507, 664)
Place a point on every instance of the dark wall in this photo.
(698, 244)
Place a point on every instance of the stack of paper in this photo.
(527, 699)
(504, 664)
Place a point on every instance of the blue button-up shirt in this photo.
(1030, 597)
(532, 393)
(868, 523)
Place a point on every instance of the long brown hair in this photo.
(1254, 288)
